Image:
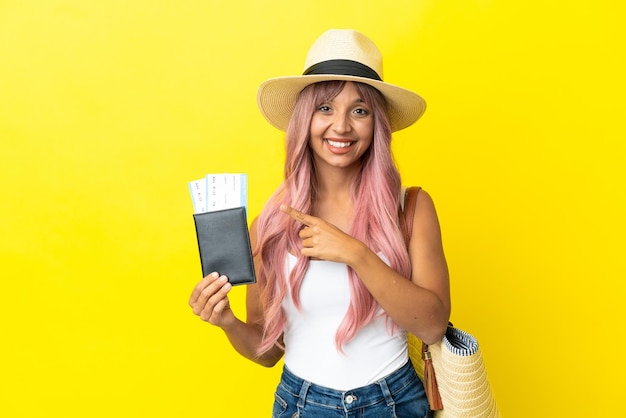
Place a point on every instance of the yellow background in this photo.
(109, 107)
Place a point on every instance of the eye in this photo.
(324, 108)
(361, 111)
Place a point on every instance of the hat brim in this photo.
(276, 98)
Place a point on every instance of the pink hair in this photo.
(375, 194)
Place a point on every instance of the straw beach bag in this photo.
(459, 373)
(453, 371)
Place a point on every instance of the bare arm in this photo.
(420, 305)
(209, 300)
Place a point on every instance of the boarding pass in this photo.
(219, 191)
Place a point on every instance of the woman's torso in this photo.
(310, 350)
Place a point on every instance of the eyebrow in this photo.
(355, 101)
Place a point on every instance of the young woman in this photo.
(338, 289)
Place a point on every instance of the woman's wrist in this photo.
(358, 254)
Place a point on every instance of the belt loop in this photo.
(386, 392)
(302, 395)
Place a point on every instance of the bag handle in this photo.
(410, 200)
(430, 382)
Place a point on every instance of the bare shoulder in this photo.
(425, 212)
(429, 267)
(253, 232)
(423, 197)
(426, 232)
(253, 224)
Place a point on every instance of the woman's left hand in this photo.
(322, 240)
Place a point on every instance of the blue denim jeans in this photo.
(400, 394)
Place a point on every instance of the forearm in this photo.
(414, 308)
(421, 304)
(246, 338)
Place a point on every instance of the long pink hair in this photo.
(375, 194)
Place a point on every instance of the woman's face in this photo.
(342, 129)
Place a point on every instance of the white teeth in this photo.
(339, 144)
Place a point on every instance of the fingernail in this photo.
(214, 274)
(223, 279)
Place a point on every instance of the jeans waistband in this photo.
(380, 391)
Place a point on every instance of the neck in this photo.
(332, 201)
(332, 181)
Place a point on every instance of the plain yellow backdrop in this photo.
(109, 107)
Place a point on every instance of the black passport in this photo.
(224, 244)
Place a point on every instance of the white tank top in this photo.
(309, 337)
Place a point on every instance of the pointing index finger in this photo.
(308, 220)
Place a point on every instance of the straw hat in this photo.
(339, 54)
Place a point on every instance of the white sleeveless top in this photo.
(309, 337)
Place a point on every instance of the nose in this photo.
(342, 123)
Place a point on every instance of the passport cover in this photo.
(224, 244)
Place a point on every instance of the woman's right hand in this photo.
(209, 300)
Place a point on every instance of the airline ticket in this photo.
(219, 191)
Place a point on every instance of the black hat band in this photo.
(342, 67)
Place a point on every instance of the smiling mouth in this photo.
(339, 144)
